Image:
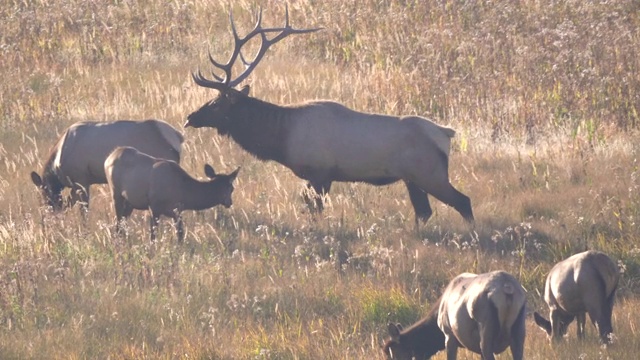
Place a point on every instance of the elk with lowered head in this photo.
(77, 159)
(324, 141)
(584, 283)
(484, 313)
(143, 182)
(420, 341)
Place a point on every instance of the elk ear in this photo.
(234, 95)
(543, 323)
(37, 180)
(208, 170)
(394, 331)
(234, 174)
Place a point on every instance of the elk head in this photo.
(214, 113)
(224, 184)
(50, 188)
(394, 348)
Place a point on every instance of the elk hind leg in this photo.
(581, 320)
(177, 220)
(420, 201)
(454, 198)
(518, 333)
(605, 327)
(488, 326)
(600, 309)
(602, 322)
(434, 180)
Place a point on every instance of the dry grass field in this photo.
(545, 99)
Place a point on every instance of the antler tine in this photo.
(224, 68)
(266, 43)
(199, 79)
(286, 15)
(287, 29)
(253, 32)
(227, 81)
(258, 24)
(244, 61)
(233, 26)
(217, 77)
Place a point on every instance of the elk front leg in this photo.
(80, 194)
(153, 225)
(451, 344)
(123, 210)
(177, 220)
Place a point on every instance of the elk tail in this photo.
(174, 138)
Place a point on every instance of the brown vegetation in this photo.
(544, 98)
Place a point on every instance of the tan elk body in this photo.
(584, 283)
(362, 147)
(484, 313)
(324, 141)
(140, 181)
(77, 159)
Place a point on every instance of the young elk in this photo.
(324, 141)
(484, 313)
(77, 159)
(583, 283)
(140, 181)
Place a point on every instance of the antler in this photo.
(221, 83)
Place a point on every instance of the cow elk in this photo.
(584, 283)
(324, 141)
(77, 159)
(484, 313)
(143, 182)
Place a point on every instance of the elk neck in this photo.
(50, 173)
(426, 335)
(260, 128)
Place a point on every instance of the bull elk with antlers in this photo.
(324, 141)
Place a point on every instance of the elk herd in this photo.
(485, 313)
(323, 142)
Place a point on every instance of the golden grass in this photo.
(543, 96)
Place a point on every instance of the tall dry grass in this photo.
(543, 96)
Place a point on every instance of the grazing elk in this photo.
(484, 313)
(420, 341)
(583, 283)
(77, 159)
(140, 181)
(324, 141)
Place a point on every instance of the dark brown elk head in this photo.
(420, 341)
(50, 188)
(394, 347)
(215, 113)
(223, 184)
